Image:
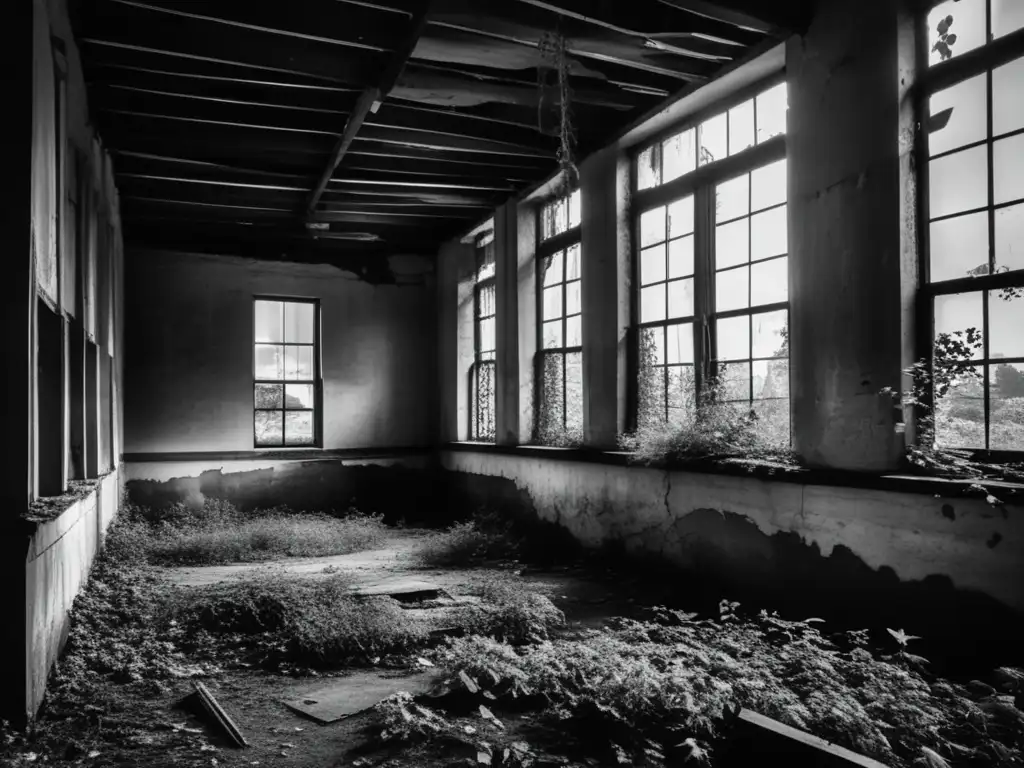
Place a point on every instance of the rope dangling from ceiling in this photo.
(552, 48)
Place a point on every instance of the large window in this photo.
(482, 373)
(559, 324)
(287, 373)
(973, 215)
(712, 273)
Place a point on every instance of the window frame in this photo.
(480, 245)
(934, 78)
(316, 382)
(545, 248)
(700, 183)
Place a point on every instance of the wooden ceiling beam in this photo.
(310, 21)
(401, 115)
(725, 14)
(371, 98)
(458, 159)
(426, 170)
(133, 27)
(151, 164)
(446, 142)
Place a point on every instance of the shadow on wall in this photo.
(722, 554)
(398, 493)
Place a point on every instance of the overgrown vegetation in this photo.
(219, 533)
(510, 611)
(666, 688)
(276, 620)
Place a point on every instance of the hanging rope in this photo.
(553, 50)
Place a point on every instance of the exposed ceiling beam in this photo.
(724, 14)
(370, 97)
(203, 80)
(221, 99)
(203, 121)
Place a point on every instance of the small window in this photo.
(560, 323)
(287, 373)
(482, 375)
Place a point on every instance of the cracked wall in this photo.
(951, 570)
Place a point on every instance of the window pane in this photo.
(1006, 323)
(959, 115)
(741, 127)
(657, 338)
(574, 393)
(958, 246)
(771, 112)
(1007, 104)
(298, 363)
(680, 155)
(1007, 17)
(682, 394)
(732, 289)
(680, 217)
(552, 414)
(769, 233)
(298, 428)
(648, 172)
(1010, 237)
(680, 298)
(968, 25)
(712, 139)
(575, 209)
(574, 332)
(769, 333)
(680, 257)
(769, 282)
(652, 303)
(553, 265)
(1008, 168)
(269, 395)
(652, 265)
(268, 427)
(958, 312)
(732, 198)
(680, 343)
(298, 322)
(771, 378)
(269, 361)
(958, 182)
(572, 262)
(298, 396)
(553, 302)
(733, 337)
(487, 338)
(572, 298)
(1006, 407)
(768, 186)
(732, 244)
(553, 335)
(736, 381)
(485, 303)
(773, 420)
(652, 227)
(269, 321)
(960, 413)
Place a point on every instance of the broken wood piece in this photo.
(756, 736)
(218, 715)
(401, 589)
(355, 693)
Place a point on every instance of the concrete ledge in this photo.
(1010, 494)
(278, 453)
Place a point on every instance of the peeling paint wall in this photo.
(190, 352)
(943, 566)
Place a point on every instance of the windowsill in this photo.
(1008, 493)
(264, 454)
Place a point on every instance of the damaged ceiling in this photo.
(383, 126)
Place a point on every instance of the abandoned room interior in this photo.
(521, 383)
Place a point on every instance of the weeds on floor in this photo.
(510, 611)
(303, 623)
(484, 537)
(219, 533)
(665, 689)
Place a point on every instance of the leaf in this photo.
(424, 662)
(469, 682)
(933, 759)
(901, 637)
(484, 758)
(950, 39)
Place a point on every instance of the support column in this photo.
(526, 280)
(77, 428)
(848, 280)
(605, 190)
(506, 249)
(92, 410)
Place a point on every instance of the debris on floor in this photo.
(355, 693)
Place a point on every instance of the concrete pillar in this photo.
(76, 385)
(506, 255)
(848, 280)
(604, 191)
(456, 264)
(526, 280)
(93, 467)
